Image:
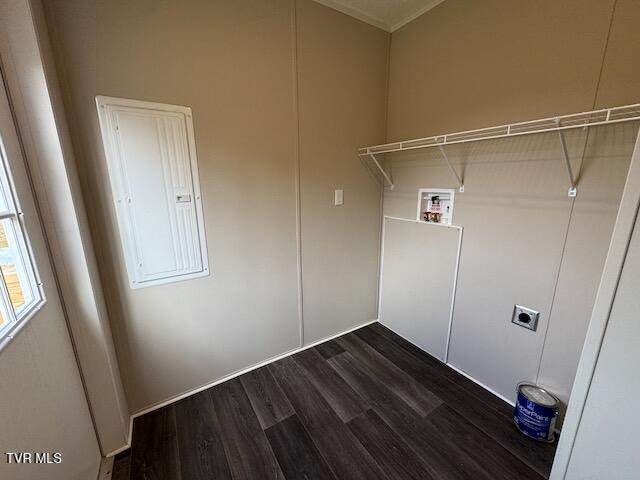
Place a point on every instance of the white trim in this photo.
(18, 325)
(490, 390)
(106, 468)
(453, 296)
(230, 376)
(623, 230)
(433, 224)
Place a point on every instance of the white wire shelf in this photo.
(605, 116)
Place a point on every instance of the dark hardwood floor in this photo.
(367, 405)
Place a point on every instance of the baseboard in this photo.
(464, 374)
(127, 445)
(225, 378)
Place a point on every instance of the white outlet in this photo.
(338, 197)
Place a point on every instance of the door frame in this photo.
(618, 248)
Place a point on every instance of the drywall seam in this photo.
(604, 54)
(555, 285)
(381, 230)
(573, 200)
(296, 136)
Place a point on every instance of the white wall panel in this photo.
(418, 271)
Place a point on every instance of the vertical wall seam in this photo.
(604, 54)
(573, 200)
(386, 135)
(297, 177)
(555, 287)
(386, 88)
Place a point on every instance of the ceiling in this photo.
(386, 14)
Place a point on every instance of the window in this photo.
(20, 290)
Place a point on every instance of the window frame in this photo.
(14, 214)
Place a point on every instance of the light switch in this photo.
(339, 197)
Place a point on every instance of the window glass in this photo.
(4, 203)
(20, 291)
(12, 266)
(3, 321)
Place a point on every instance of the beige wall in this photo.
(283, 93)
(342, 72)
(233, 64)
(471, 64)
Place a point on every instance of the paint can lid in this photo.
(538, 395)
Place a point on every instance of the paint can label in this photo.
(534, 420)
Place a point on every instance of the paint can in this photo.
(535, 412)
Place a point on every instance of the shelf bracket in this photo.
(453, 170)
(573, 190)
(384, 174)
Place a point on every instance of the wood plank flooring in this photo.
(367, 405)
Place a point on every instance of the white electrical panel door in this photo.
(153, 170)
